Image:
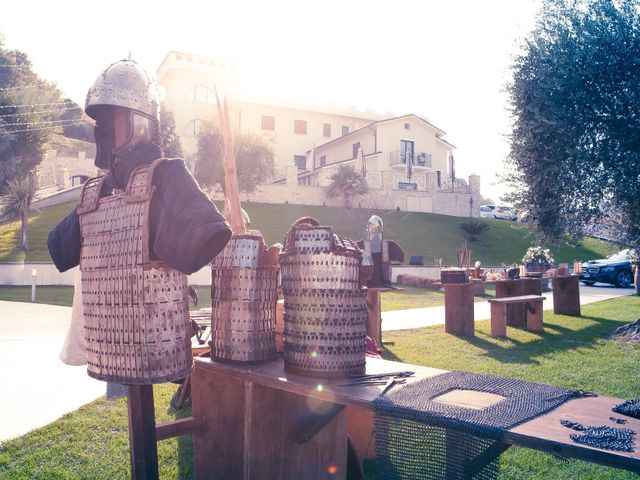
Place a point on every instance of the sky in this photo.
(447, 61)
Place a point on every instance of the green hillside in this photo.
(434, 236)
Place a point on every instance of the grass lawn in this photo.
(433, 236)
(91, 443)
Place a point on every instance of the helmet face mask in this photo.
(124, 103)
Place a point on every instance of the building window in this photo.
(407, 186)
(300, 126)
(407, 126)
(178, 57)
(300, 161)
(193, 127)
(268, 122)
(78, 180)
(354, 149)
(323, 160)
(439, 178)
(345, 130)
(326, 129)
(189, 59)
(202, 94)
(406, 151)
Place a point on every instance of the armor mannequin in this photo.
(136, 233)
(382, 252)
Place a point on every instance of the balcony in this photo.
(421, 160)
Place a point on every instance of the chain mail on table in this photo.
(419, 437)
(631, 408)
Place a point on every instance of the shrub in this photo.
(473, 229)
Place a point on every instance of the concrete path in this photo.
(37, 388)
(424, 317)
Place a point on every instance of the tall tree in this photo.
(169, 139)
(575, 97)
(30, 110)
(253, 155)
(78, 124)
(15, 203)
(347, 183)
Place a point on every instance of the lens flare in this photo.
(332, 469)
(319, 387)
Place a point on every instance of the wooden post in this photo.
(374, 315)
(566, 295)
(142, 433)
(458, 309)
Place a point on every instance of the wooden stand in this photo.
(258, 432)
(142, 433)
(458, 309)
(566, 295)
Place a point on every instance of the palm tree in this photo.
(15, 202)
(348, 183)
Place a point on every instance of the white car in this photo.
(488, 211)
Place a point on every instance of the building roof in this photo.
(387, 120)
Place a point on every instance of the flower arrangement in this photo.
(538, 255)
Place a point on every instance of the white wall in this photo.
(47, 274)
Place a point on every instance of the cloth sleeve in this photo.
(64, 242)
(186, 230)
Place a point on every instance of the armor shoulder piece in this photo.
(140, 186)
(90, 195)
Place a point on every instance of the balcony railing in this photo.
(422, 159)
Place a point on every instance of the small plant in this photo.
(538, 255)
(473, 229)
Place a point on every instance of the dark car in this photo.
(615, 269)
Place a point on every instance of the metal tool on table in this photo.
(389, 380)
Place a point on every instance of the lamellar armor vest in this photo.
(136, 310)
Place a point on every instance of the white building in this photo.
(309, 142)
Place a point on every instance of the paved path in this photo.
(37, 388)
(424, 317)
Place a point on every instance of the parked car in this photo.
(615, 270)
(497, 211)
(506, 213)
(487, 211)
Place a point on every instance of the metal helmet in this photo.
(375, 225)
(124, 84)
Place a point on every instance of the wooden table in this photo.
(566, 295)
(262, 422)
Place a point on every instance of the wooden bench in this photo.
(533, 304)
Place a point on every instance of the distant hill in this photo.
(433, 236)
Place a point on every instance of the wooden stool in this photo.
(533, 305)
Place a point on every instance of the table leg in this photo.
(142, 433)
